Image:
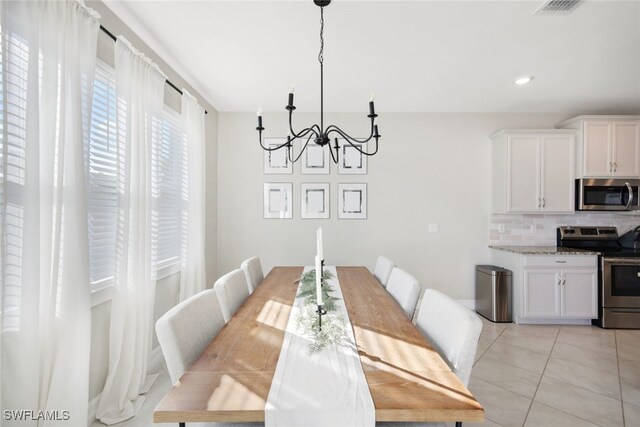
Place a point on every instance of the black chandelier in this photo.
(321, 135)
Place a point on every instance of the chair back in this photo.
(186, 330)
(405, 289)
(452, 328)
(253, 272)
(383, 269)
(232, 291)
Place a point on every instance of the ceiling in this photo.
(416, 56)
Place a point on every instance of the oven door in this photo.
(621, 282)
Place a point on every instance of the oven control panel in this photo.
(588, 233)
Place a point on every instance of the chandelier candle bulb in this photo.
(259, 113)
(372, 110)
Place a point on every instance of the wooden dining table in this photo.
(408, 379)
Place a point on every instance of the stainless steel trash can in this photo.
(493, 293)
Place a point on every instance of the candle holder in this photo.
(321, 312)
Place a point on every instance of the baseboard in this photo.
(93, 408)
(469, 303)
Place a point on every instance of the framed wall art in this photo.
(314, 200)
(315, 159)
(276, 162)
(278, 201)
(352, 162)
(352, 201)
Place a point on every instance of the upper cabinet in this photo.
(608, 146)
(533, 171)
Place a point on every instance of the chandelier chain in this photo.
(321, 54)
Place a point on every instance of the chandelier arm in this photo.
(303, 132)
(334, 128)
(301, 151)
(271, 148)
(347, 138)
(335, 159)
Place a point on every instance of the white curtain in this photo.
(140, 90)
(193, 274)
(48, 61)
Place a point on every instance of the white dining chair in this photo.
(405, 289)
(454, 331)
(180, 341)
(253, 272)
(383, 269)
(452, 328)
(232, 291)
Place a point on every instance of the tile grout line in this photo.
(533, 398)
(615, 340)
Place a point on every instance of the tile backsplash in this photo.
(540, 229)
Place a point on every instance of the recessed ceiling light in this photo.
(523, 80)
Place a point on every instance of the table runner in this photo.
(324, 388)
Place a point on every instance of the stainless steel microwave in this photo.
(607, 194)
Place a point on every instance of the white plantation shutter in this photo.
(170, 181)
(103, 198)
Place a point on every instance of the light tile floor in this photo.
(536, 376)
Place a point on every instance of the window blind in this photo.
(170, 162)
(103, 197)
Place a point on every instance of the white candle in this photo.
(318, 281)
(319, 238)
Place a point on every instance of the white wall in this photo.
(431, 168)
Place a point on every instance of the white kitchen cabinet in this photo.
(579, 293)
(533, 171)
(541, 296)
(608, 146)
(560, 293)
(557, 289)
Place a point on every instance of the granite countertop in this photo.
(543, 250)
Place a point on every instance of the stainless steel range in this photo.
(619, 271)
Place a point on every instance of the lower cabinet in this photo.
(560, 293)
(552, 289)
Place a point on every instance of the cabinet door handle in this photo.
(564, 280)
(557, 279)
(615, 166)
(610, 167)
(539, 203)
(561, 262)
(544, 203)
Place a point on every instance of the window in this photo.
(170, 162)
(103, 197)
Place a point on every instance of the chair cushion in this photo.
(232, 291)
(253, 272)
(180, 341)
(452, 328)
(405, 289)
(383, 269)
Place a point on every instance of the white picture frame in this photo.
(278, 200)
(314, 200)
(315, 159)
(351, 161)
(276, 162)
(352, 201)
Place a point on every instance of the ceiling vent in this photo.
(557, 7)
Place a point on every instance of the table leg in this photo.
(183, 424)
(458, 423)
